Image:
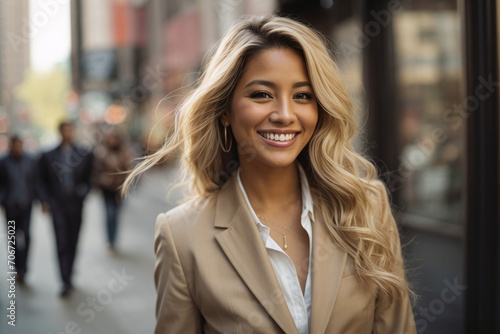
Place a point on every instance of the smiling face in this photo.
(273, 110)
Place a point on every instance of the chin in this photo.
(280, 162)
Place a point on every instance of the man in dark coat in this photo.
(17, 192)
(64, 182)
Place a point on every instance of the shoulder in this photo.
(49, 152)
(190, 218)
(29, 157)
(187, 230)
(30, 161)
(83, 150)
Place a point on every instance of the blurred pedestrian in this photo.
(65, 174)
(17, 192)
(112, 159)
(289, 229)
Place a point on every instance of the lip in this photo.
(280, 144)
(280, 131)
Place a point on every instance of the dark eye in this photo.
(261, 95)
(303, 96)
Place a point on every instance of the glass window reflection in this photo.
(429, 76)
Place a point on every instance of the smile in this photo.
(279, 137)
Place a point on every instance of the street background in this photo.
(131, 310)
(126, 64)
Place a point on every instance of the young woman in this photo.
(289, 230)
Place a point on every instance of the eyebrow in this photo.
(273, 85)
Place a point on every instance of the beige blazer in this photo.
(213, 275)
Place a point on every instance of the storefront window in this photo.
(433, 112)
(349, 58)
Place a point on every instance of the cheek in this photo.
(310, 120)
(245, 117)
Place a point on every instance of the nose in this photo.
(283, 113)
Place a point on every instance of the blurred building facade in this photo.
(128, 55)
(14, 44)
(14, 60)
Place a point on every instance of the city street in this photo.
(113, 293)
(414, 85)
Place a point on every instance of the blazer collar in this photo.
(328, 262)
(243, 245)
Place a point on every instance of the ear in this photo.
(224, 119)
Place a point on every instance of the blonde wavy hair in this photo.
(343, 183)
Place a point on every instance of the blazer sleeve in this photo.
(398, 317)
(176, 311)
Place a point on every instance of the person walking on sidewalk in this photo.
(17, 192)
(65, 174)
(112, 159)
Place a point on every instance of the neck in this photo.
(270, 189)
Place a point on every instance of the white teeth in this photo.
(279, 137)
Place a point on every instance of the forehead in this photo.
(276, 63)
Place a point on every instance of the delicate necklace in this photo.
(285, 243)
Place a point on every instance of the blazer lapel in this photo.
(327, 268)
(243, 246)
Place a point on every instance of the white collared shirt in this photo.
(298, 304)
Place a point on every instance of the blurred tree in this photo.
(46, 96)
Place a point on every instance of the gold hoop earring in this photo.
(223, 146)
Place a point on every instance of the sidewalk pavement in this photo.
(113, 293)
